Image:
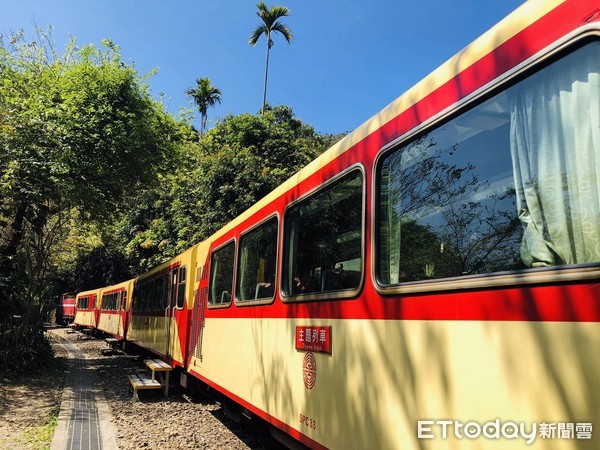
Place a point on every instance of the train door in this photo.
(174, 306)
(198, 313)
(122, 311)
(95, 310)
(171, 302)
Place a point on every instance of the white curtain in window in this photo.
(244, 272)
(555, 148)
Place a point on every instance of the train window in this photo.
(181, 287)
(257, 263)
(221, 275)
(147, 296)
(83, 303)
(323, 240)
(173, 292)
(142, 298)
(165, 292)
(158, 293)
(510, 184)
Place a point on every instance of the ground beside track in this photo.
(183, 421)
(29, 406)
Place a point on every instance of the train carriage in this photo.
(115, 305)
(87, 308)
(437, 267)
(159, 314)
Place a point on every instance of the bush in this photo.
(24, 348)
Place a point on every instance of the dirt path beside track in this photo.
(29, 405)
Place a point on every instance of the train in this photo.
(431, 281)
(65, 311)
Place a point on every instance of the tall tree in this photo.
(270, 24)
(204, 95)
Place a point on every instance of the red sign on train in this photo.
(313, 339)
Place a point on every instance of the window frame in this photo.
(508, 278)
(179, 289)
(210, 274)
(237, 267)
(344, 294)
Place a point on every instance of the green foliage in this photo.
(93, 267)
(239, 161)
(78, 132)
(98, 183)
(270, 23)
(24, 348)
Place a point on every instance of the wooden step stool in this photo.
(142, 382)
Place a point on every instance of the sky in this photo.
(348, 59)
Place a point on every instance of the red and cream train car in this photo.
(432, 280)
(115, 305)
(87, 308)
(440, 263)
(159, 316)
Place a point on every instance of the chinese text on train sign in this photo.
(313, 339)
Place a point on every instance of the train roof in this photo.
(91, 291)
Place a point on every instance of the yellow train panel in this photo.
(383, 377)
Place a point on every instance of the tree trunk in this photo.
(264, 102)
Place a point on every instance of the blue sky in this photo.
(349, 59)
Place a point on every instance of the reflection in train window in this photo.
(323, 239)
(512, 183)
(221, 275)
(257, 262)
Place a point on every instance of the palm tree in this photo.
(270, 24)
(204, 95)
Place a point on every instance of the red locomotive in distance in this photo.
(65, 312)
(442, 261)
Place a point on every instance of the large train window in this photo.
(323, 249)
(513, 183)
(257, 261)
(221, 275)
